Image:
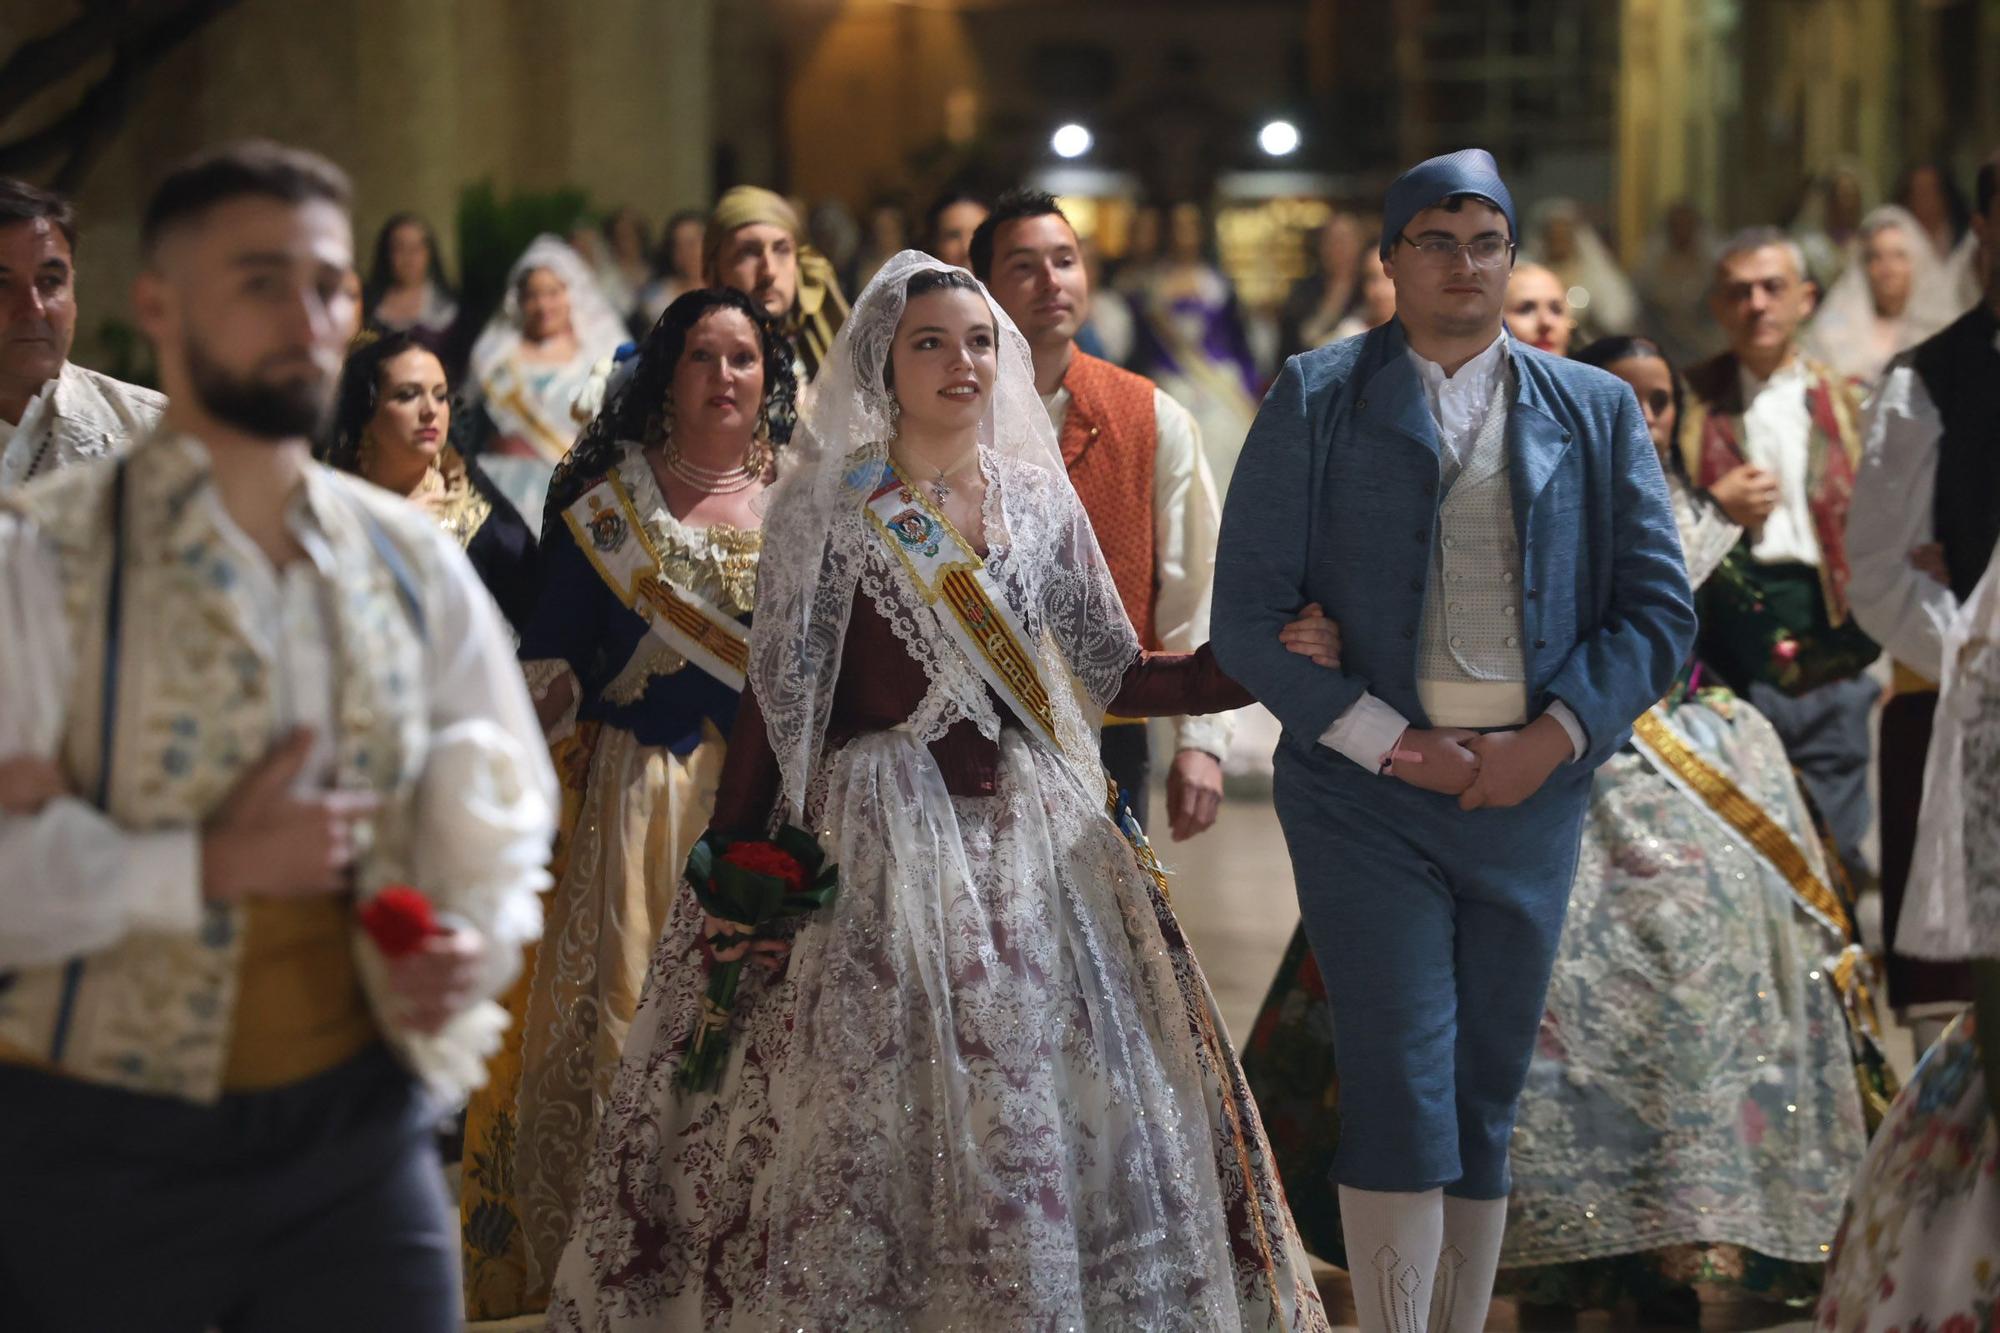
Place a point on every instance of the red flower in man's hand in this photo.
(399, 919)
(764, 858)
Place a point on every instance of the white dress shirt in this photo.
(1902, 608)
(1777, 436)
(1186, 518)
(113, 881)
(1459, 401)
(1370, 727)
(20, 441)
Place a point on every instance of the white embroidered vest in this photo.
(194, 710)
(1472, 605)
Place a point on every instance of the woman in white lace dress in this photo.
(533, 361)
(988, 1089)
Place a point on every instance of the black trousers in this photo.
(1825, 732)
(1906, 740)
(315, 1208)
(1128, 757)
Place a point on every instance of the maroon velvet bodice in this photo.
(881, 685)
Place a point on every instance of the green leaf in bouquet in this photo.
(753, 898)
(802, 847)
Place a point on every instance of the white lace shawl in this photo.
(820, 550)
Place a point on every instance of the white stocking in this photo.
(1393, 1241)
(1467, 1262)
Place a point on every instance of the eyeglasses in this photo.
(1484, 251)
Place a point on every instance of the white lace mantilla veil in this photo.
(1842, 332)
(599, 330)
(819, 548)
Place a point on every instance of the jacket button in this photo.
(1361, 404)
(1565, 437)
(1506, 576)
(1457, 641)
(1513, 642)
(1409, 632)
(1541, 643)
(1416, 585)
(1534, 593)
(1420, 534)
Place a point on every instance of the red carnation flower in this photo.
(399, 919)
(1786, 650)
(765, 858)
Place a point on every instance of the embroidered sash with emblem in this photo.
(608, 530)
(947, 572)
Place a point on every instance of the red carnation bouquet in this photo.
(756, 883)
(399, 920)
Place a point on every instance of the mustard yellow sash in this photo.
(609, 532)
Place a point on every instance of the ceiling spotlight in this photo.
(1071, 140)
(1280, 138)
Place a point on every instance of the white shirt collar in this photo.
(300, 518)
(39, 407)
(1459, 402)
(21, 442)
(1476, 373)
(1792, 372)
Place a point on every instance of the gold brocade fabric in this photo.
(529, 1131)
(450, 497)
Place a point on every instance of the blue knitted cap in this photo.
(1468, 171)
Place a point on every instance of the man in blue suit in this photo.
(1488, 525)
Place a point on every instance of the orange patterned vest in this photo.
(1109, 439)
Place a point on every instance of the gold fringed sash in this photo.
(946, 570)
(609, 532)
(1668, 751)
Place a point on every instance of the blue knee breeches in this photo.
(1435, 930)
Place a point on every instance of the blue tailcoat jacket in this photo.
(1335, 501)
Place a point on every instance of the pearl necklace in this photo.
(711, 481)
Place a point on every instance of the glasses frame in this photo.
(1506, 255)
